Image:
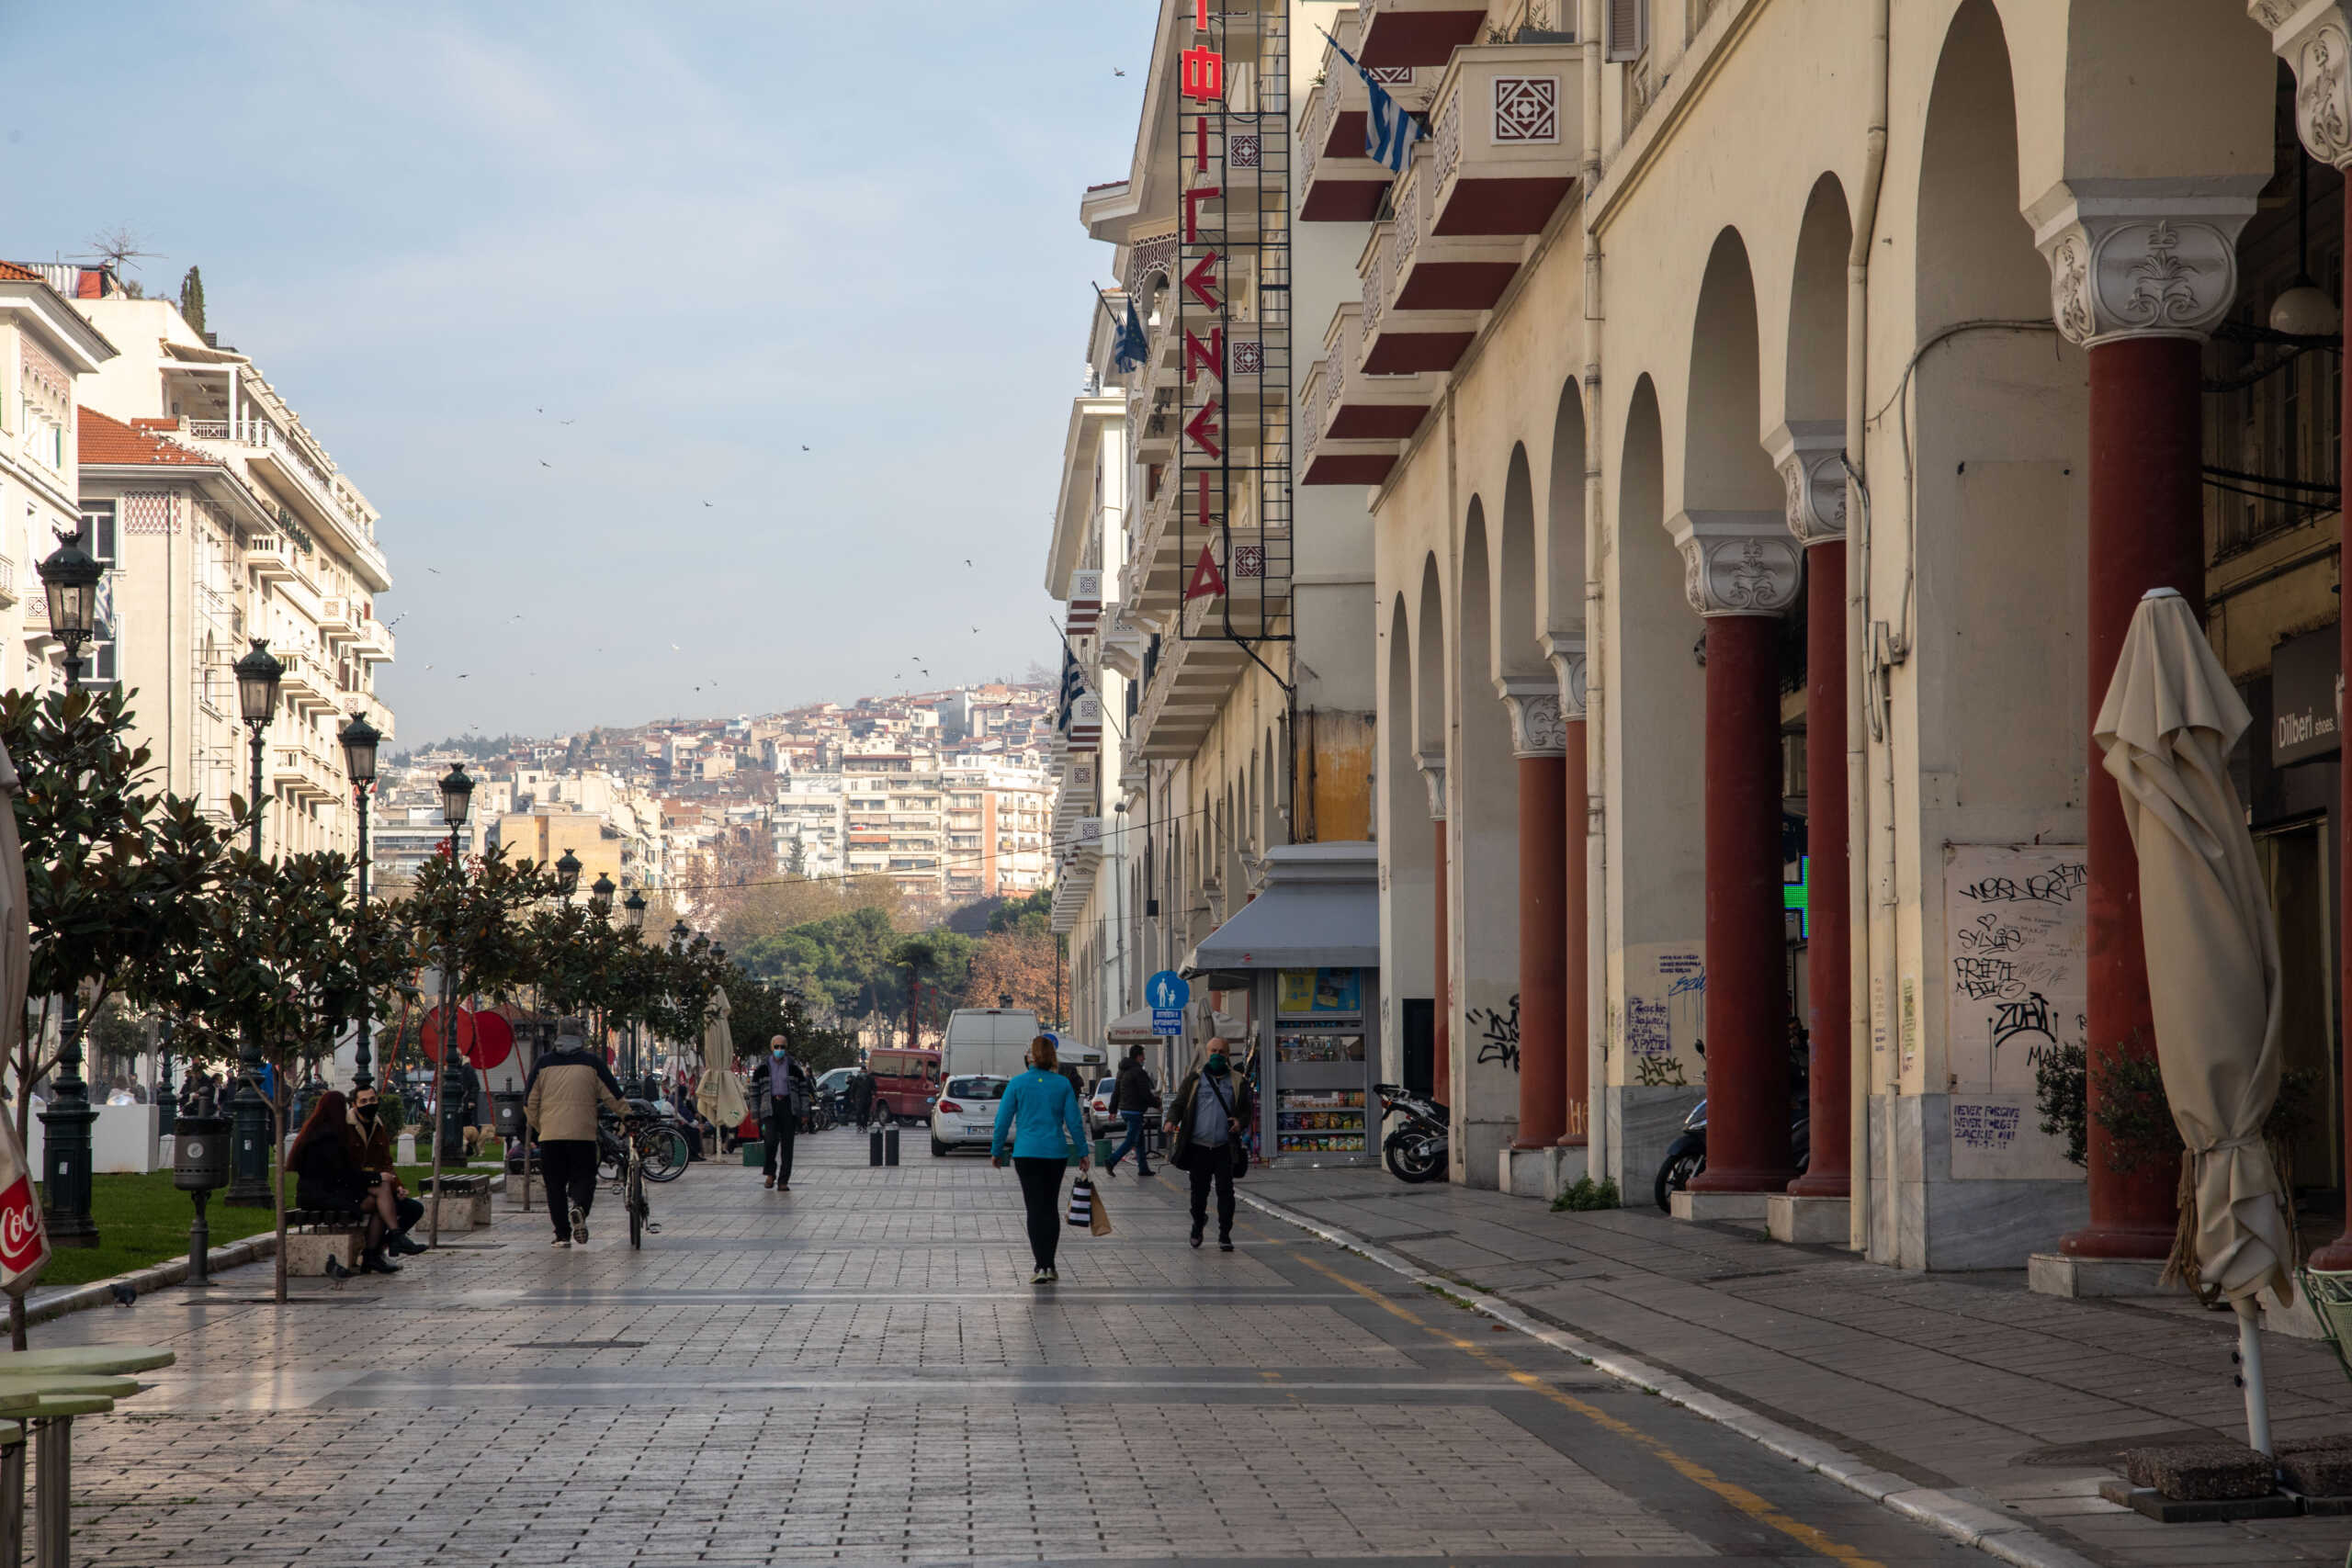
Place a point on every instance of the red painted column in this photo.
(1828, 919)
(2146, 531)
(1543, 950)
(1747, 1075)
(1576, 992)
(1441, 1073)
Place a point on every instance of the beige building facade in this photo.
(1768, 413)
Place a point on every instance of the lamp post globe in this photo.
(257, 673)
(678, 934)
(600, 895)
(360, 740)
(567, 874)
(69, 582)
(456, 796)
(633, 910)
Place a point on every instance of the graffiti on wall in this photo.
(1497, 1033)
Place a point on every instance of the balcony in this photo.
(1180, 706)
(1417, 32)
(1357, 424)
(1506, 126)
(1401, 341)
(270, 557)
(286, 460)
(308, 682)
(1430, 270)
(339, 616)
(374, 642)
(305, 775)
(1342, 185)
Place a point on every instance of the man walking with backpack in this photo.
(1132, 1099)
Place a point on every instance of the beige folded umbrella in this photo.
(2170, 719)
(718, 1038)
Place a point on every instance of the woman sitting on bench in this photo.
(330, 1174)
(399, 1211)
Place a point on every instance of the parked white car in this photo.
(965, 1113)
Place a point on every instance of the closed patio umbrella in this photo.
(2166, 727)
(717, 1039)
(24, 1238)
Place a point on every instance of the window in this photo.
(98, 530)
(1629, 30)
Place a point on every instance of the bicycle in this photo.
(659, 1143)
(632, 1181)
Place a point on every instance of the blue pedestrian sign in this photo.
(1166, 991)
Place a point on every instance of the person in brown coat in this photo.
(561, 1102)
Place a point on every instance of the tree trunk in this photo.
(277, 1177)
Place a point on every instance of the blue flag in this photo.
(1127, 350)
(1390, 130)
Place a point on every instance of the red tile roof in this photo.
(10, 272)
(107, 440)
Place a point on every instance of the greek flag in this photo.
(1390, 130)
(1127, 350)
(1073, 688)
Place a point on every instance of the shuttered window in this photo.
(1629, 28)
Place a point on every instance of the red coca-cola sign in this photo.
(23, 1242)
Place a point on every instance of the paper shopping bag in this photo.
(1101, 1224)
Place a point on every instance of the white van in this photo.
(987, 1042)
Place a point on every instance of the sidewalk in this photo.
(1964, 1383)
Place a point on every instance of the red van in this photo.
(905, 1082)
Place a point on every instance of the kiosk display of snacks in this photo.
(1318, 1072)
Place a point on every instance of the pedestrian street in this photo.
(856, 1371)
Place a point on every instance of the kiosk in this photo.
(1307, 952)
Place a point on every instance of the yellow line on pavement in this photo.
(1731, 1492)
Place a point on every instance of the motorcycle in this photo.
(1417, 1150)
(1687, 1155)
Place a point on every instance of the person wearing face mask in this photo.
(1207, 1123)
(779, 1091)
(400, 1212)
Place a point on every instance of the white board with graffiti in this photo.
(2014, 982)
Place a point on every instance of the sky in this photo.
(566, 289)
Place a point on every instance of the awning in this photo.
(1320, 909)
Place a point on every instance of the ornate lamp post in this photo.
(360, 740)
(257, 673)
(633, 907)
(600, 897)
(456, 803)
(69, 579)
(567, 874)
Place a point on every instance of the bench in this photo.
(462, 1201)
(313, 1235)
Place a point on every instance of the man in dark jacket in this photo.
(1208, 1134)
(560, 1103)
(779, 1089)
(1132, 1099)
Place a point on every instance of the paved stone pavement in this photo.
(857, 1372)
(1968, 1383)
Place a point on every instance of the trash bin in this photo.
(507, 1111)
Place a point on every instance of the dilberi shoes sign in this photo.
(2306, 698)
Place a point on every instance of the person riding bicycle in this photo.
(559, 1102)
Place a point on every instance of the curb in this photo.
(100, 1292)
(1954, 1515)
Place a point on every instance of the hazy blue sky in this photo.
(707, 234)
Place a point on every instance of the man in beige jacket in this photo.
(559, 1102)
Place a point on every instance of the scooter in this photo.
(1687, 1155)
(1417, 1150)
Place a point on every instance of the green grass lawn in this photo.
(143, 1221)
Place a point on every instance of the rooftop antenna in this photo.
(119, 247)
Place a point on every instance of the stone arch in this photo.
(1429, 664)
(1515, 652)
(1654, 731)
(1724, 466)
(1814, 386)
(1564, 519)
(1409, 849)
(1482, 781)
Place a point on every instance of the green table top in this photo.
(105, 1360)
(51, 1405)
(35, 1384)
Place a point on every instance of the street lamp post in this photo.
(257, 673)
(360, 740)
(457, 802)
(69, 580)
(600, 897)
(567, 874)
(633, 910)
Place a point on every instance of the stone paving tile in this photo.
(1943, 1377)
(857, 1373)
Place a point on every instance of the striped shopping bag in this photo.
(1081, 1205)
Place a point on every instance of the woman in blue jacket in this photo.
(1039, 1112)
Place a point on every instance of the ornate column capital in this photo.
(2314, 37)
(1432, 766)
(1806, 453)
(1736, 563)
(2140, 258)
(1537, 728)
(1567, 663)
